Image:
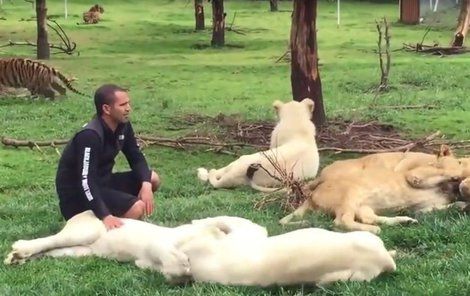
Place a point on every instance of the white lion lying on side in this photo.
(305, 256)
(226, 250)
(293, 148)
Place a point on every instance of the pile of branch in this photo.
(435, 49)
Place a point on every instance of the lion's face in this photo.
(464, 189)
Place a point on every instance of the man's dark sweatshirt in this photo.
(88, 159)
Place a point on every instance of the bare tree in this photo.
(273, 5)
(199, 14)
(43, 51)
(305, 76)
(218, 23)
(463, 23)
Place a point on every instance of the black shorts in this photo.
(119, 195)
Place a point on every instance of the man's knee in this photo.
(155, 180)
(137, 210)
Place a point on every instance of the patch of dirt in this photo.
(337, 135)
(360, 135)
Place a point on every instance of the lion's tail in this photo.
(203, 174)
(307, 205)
(312, 185)
(267, 189)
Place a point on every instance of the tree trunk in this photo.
(199, 14)
(43, 51)
(218, 23)
(463, 23)
(273, 5)
(305, 77)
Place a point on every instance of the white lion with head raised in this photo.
(293, 151)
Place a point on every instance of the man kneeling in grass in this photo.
(84, 177)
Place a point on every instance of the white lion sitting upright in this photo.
(293, 149)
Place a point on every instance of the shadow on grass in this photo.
(202, 46)
(19, 101)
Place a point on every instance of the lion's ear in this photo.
(445, 151)
(277, 105)
(309, 103)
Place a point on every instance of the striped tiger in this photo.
(38, 78)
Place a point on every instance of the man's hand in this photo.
(146, 195)
(112, 222)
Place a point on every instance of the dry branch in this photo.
(178, 143)
(230, 28)
(70, 46)
(392, 107)
(285, 57)
(435, 49)
(182, 142)
(428, 29)
(67, 47)
(404, 107)
(295, 193)
(384, 69)
(32, 144)
(66, 50)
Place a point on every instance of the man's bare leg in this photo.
(137, 211)
(155, 180)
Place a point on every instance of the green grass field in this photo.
(150, 47)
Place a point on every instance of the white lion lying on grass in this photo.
(226, 250)
(293, 148)
(304, 256)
